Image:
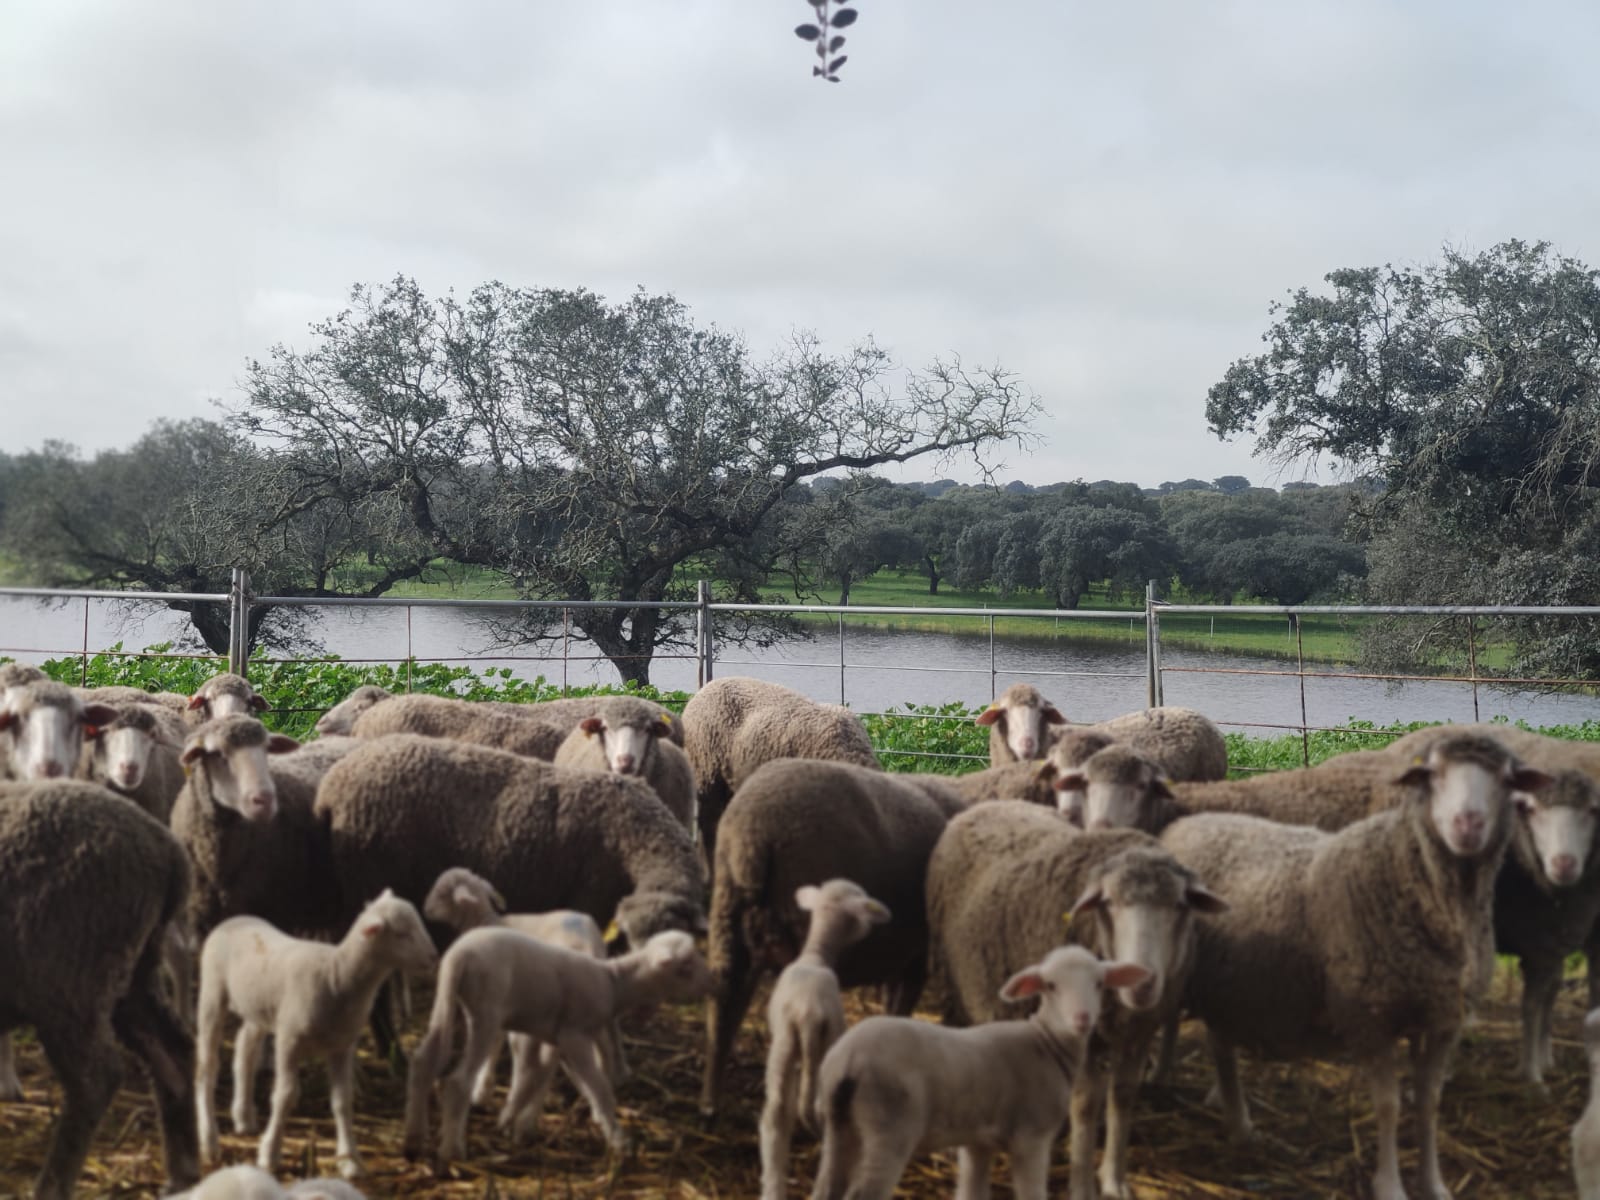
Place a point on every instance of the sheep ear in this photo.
(92, 732)
(1044, 771)
(386, 894)
(1203, 899)
(1530, 779)
(1125, 975)
(98, 714)
(7, 720)
(259, 703)
(1418, 774)
(371, 929)
(1071, 781)
(1052, 715)
(990, 715)
(499, 901)
(1094, 896)
(1026, 982)
(1525, 803)
(808, 897)
(591, 725)
(281, 743)
(1161, 786)
(196, 701)
(464, 895)
(877, 912)
(191, 752)
(663, 726)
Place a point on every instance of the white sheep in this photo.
(558, 1002)
(1016, 720)
(1586, 1133)
(252, 1183)
(806, 1016)
(634, 739)
(312, 998)
(464, 900)
(893, 1086)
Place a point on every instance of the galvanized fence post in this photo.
(239, 621)
(1152, 648)
(704, 634)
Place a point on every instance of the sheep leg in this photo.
(286, 1055)
(455, 1093)
(88, 1063)
(1539, 986)
(778, 1113)
(247, 1046)
(1430, 1062)
(533, 1066)
(1088, 1096)
(841, 1151)
(724, 1013)
(1167, 1055)
(10, 1085)
(1384, 1078)
(483, 1084)
(1127, 1060)
(162, 1043)
(578, 1057)
(208, 1048)
(1591, 954)
(615, 1058)
(880, 1163)
(1235, 1110)
(1030, 1167)
(973, 1165)
(341, 1098)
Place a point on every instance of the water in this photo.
(1088, 681)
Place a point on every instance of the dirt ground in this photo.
(1499, 1138)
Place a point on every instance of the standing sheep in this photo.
(536, 730)
(805, 1017)
(1017, 721)
(733, 725)
(1344, 943)
(894, 1087)
(88, 885)
(797, 822)
(633, 738)
(224, 695)
(339, 719)
(998, 883)
(312, 999)
(136, 755)
(45, 722)
(400, 810)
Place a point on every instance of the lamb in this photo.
(1017, 719)
(398, 811)
(998, 883)
(312, 998)
(631, 738)
(894, 1087)
(1347, 942)
(88, 885)
(224, 695)
(1586, 1133)
(504, 980)
(800, 821)
(136, 755)
(252, 1183)
(45, 721)
(466, 901)
(806, 1016)
(733, 725)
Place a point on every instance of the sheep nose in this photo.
(261, 805)
(1564, 868)
(1468, 827)
(129, 776)
(625, 764)
(1027, 747)
(1081, 1022)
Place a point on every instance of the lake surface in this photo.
(1087, 680)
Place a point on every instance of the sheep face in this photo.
(232, 753)
(396, 930)
(627, 746)
(1070, 983)
(1022, 714)
(677, 972)
(1115, 789)
(342, 716)
(226, 695)
(46, 723)
(1467, 783)
(1143, 903)
(1562, 824)
(643, 915)
(462, 900)
(121, 754)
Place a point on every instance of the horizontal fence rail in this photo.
(1009, 655)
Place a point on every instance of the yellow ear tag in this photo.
(612, 933)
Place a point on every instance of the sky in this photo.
(1102, 198)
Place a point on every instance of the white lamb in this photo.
(556, 1003)
(1586, 1133)
(806, 1016)
(893, 1086)
(312, 998)
(464, 900)
(252, 1183)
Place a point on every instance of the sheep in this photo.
(397, 811)
(136, 755)
(806, 1016)
(1071, 748)
(1346, 942)
(894, 1087)
(463, 901)
(558, 1002)
(252, 1183)
(800, 821)
(118, 696)
(312, 998)
(536, 730)
(731, 726)
(998, 883)
(88, 884)
(631, 738)
(1586, 1133)
(45, 722)
(1016, 720)
(224, 695)
(340, 718)
(12, 675)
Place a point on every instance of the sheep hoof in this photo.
(412, 1149)
(246, 1125)
(351, 1168)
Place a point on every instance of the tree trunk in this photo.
(630, 654)
(210, 621)
(933, 575)
(844, 588)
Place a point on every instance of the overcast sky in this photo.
(1103, 197)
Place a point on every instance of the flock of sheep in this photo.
(167, 864)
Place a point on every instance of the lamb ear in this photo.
(1203, 899)
(466, 897)
(876, 911)
(990, 715)
(591, 725)
(99, 714)
(808, 897)
(1125, 975)
(371, 929)
(281, 743)
(1094, 896)
(1026, 982)
(1052, 715)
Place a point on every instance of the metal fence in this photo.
(997, 629)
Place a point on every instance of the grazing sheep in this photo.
(800, 821)
(44, 721)
(556, 1004)
(806, 1016)
(136, 755)
(88, 885)
(400, 810)
(632, 738)
(894, 1087)
(1347, 942)
(733, 725)
(1016, 721)
(998, 883)
(224, 695)
(463, 901)
(252, 1183)
(312, 999)
(1586, 1133)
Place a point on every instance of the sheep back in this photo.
(1182, 742)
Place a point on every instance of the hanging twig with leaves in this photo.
(829, 60)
